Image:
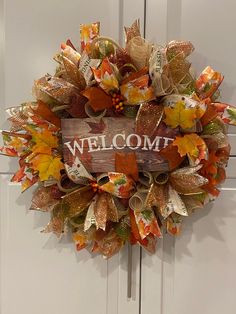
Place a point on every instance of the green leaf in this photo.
(147, 214)
(6, 138)
(206, 87)
(200, 197)
(130, 111)
(216, 95)
(119, 181)
(232, 113)
(123, 230)
(213, 128)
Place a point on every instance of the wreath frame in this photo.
(156, 88)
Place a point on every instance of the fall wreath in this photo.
(123, 142)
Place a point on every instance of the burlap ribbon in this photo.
(169, 194)
(99, 196)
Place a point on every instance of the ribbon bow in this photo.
(100, 196)
(171, 195)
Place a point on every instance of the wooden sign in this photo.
(95, 142)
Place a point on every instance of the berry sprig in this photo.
(118, 102)
(95, 186)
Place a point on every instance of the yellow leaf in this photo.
(189, 144)
(44, 142)
(47, 166)
(179, 115)
(137, 91)
(106, 77)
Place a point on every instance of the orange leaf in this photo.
(137, 91)
(179, 115)
(126, 163)
(224, 153)
(105, 76)
(189, 144)
(211, 189)
(45, 112)
(99, 100)
(170, 153)
(47, 166)
(212, 171)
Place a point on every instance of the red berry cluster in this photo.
(117, 101)
(95, 186)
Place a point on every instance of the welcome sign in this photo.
(95, 142)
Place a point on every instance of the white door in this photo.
(196, 272)
(40, 274)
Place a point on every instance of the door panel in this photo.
(31, 33)
(208, 25)
(49, 272)
(232, 141)
(204, 278)
(195, 273)
(38, 272)
(231, 168)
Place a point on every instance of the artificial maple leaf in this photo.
(99, 100)
(181, 116)
(97, 127)
(137, 91)
(77, 106)
(47, 166)
(44, 142)
(171, 154)
(189, 144)
(212, 170)
(105, 76)
(210, 165)
(126, 163)
(214, 173)
(46, 113)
